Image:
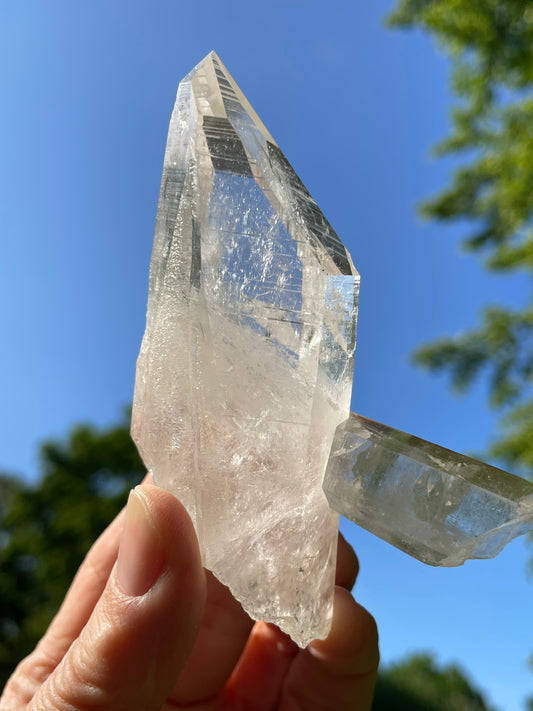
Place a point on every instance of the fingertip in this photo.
(352, 644)
(167, 512)
(340, 671)
(347, 568)
(257, 680)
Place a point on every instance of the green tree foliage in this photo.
(418, 684)
(490, 44)
(47, 528)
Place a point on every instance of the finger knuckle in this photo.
(73, 686)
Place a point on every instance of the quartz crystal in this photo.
(246, 364)
(439, 506)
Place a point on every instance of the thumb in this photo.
(142, 630)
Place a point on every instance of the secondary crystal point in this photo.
(437, 505)
(245, 368)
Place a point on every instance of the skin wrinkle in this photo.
(105, 639)
(20, 689)
(77, 672)
(54, 694)
(38, 667)
(34, 670)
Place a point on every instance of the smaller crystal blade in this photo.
(437, 505)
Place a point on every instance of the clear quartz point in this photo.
(439, 506)
(245, 369)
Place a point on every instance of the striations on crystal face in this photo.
(246, 364)
(439, 506)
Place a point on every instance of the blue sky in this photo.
(86, 91)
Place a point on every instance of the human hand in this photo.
(153, 631)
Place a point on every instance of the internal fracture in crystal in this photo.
(439, 506)
(246, 364)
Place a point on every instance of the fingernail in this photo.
(141, 556)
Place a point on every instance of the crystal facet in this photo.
(246, 364)
(439, 506)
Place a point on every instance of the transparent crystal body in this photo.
(246, 364)
(439, 506)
